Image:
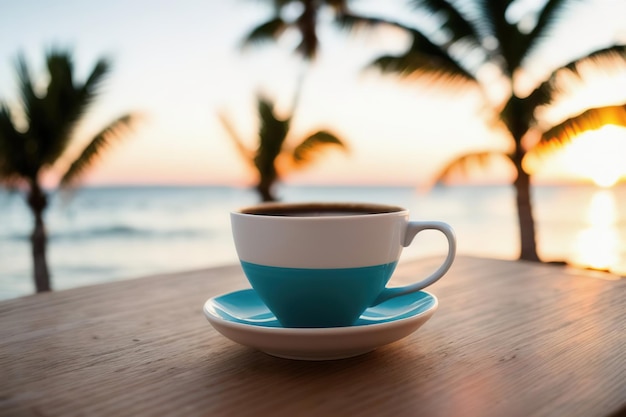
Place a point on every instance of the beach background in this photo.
(103, 234)
(158, 201)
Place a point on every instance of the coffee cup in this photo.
(324, 264)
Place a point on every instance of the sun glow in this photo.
(598, 155)
(597, 246)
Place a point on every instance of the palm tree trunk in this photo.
(515, 115)
(264, 188)
(37, 201)
(306, 25)
(528, 250)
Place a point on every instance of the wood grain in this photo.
(509, 339)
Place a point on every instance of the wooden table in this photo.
(509, 339)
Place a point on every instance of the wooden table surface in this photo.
(509, 339)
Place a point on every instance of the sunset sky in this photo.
(179, 63)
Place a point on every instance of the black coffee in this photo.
(319, 209)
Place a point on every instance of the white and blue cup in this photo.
(324, 264)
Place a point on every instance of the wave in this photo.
(111, 232)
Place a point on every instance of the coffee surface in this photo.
(319, 209)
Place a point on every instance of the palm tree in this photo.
(304, 22)
(273, 131)
(286, 17)
(39, 133)
(272, 145)
(472, 35)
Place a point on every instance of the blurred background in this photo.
(434, 135)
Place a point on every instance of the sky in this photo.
(180, 63)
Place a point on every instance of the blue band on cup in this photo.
(303, 297)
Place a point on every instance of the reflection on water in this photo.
(597, 245)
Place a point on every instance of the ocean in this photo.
(103, 234)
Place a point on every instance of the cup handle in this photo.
(413, 228)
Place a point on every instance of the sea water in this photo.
(103, 234)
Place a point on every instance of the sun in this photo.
(598, 155)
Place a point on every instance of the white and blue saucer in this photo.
(242, 317)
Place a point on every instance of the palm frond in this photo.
(66, 102)
(548, 90)
(306, 150)
(265, 32)
(458, 20)
(98, 73)
(13, 157)
(590, 119)
(464, 163)
(103, 140)
(550, 14)
(424, 57)
(615, 54)
(243, 150)
(509, 51)
(352, 22)
(30, 102)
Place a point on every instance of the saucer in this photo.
(242, 317)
